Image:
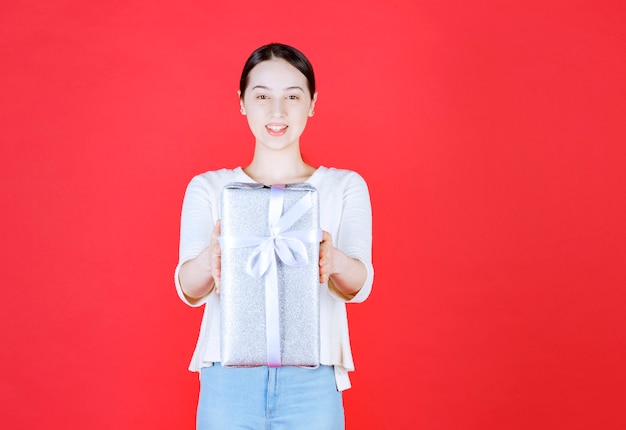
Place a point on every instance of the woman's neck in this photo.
(278, 168)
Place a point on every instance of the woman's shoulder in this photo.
(210, 183)
(219, 177)
(338, 175)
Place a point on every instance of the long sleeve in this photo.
(195, 228)
(199, 214)
(355, 230)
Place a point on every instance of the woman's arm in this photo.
(346, 259)
(194, 274)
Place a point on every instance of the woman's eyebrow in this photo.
(263, 87)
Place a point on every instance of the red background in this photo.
(491, 135)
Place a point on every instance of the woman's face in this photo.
(277, 103)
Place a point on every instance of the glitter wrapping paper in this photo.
(244, 341)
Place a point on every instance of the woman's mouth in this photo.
(276, 129)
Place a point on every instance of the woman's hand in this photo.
(215, 260)
(200, 275)
(344, 274)
(327, 257)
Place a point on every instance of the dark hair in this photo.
(284, 52)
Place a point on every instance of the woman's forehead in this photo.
(276, 74)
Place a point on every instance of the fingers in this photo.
(216, 265)
(325, 261)
(216, 256)
(215, 234)
(326, 237)
(218, 227)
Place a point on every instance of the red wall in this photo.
(492, 137)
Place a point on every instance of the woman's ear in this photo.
(312, 109)
(241, 108)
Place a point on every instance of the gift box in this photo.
(269, 287)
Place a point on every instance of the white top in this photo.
(345, 212)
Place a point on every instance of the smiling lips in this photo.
(276, 129)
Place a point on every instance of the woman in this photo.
(277, 95)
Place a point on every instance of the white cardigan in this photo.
(345, 212)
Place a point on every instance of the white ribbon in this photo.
(288, 246)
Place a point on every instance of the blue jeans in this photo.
(260, 398)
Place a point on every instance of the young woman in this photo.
(277, 95)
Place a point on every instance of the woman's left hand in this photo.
(327, 257)
(348, 274)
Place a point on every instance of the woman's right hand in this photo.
(215, 257)
(199, 276)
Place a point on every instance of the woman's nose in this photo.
(278, 107)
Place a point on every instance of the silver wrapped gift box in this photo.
(269, 290)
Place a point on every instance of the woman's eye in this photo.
(292, 97)
(262, 97)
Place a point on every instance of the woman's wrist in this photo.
(195, 278)
(349, 275)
